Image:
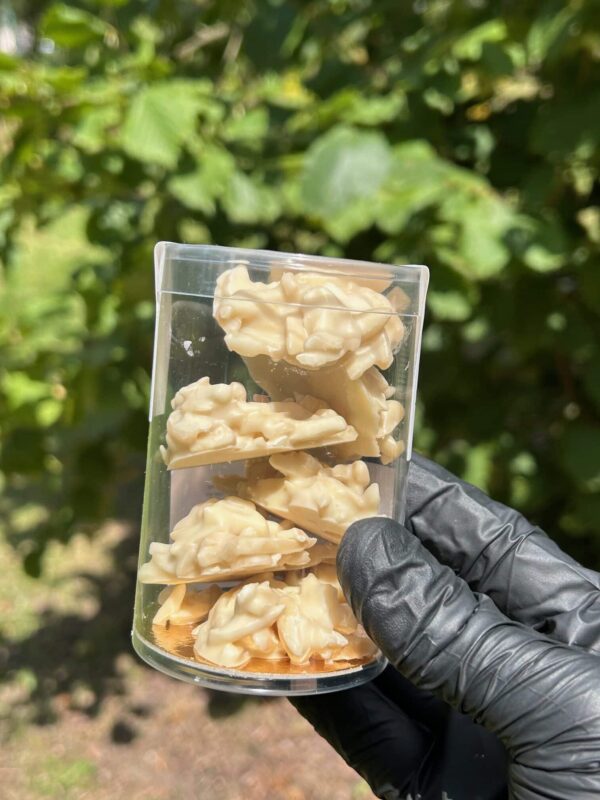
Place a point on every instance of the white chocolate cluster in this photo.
(301, 618)
(308, 319)
(366, 403)
(222, 539)
(238, 627)
(211, 424)
(321, 499)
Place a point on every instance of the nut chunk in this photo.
(211, 424)
(239, 626)
(321, 499)
(222, 539)
(308, 319)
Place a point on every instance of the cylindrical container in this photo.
(283, 393)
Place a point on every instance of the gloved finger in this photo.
(499, 553)
(407, 743)
(373, 736)
(540, 697)
(466, 761)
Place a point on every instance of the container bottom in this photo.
(314, 679)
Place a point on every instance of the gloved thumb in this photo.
(531, 691)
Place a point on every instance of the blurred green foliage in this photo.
(459, 135)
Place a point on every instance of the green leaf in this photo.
(481, 223)
(547, 30)
(478, 465)
(160, 119)
(72, 27)
(251, 127)
(357, 217)
(198, 190)
(374, 110)
(193, 191)
(91, 134)
(452, 305)
(418, 178)
(247, 201)
(470, 44)
(542, 243)
(589, 219)
(343, 166)
(21, 389)
(351, 106)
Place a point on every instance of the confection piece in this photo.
(364, 403)
(318, 498)
(211, 424)
(301, 618)
(327, 573)
(238, 626)
(180, 605)
(314, 620)
(359, 646)
(309, 319)
(318, 614)
(376, 282)
(221, 539)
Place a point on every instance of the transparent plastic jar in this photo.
(282, 408)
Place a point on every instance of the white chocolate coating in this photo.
(318, 498)
(222, 539)
(309, 319)
(211, 424)
(316, 601)
(364, 403)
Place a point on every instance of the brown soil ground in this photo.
(81, 718)
(166, 740)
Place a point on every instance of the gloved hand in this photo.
(479, 611)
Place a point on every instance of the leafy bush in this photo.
(460, 135)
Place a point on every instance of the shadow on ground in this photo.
(78, 661)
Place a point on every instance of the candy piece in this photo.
(359, 646)
(221, 539)
(302, 618)
(308, 319)
(238, 624)
(211, 424)
(321, 499)
(314, 620)
(377, 282)
(180, 605)
(364, 403)
(327, 573)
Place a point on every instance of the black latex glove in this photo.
(507, 633)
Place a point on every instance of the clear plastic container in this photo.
(282, 407)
